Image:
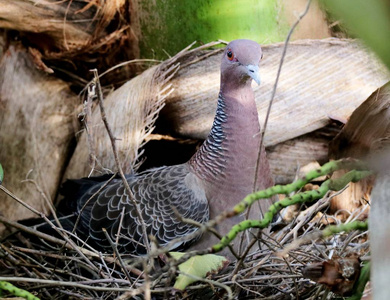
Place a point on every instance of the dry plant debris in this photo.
(63, 267)
(54, 267)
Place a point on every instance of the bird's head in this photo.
(240, 63)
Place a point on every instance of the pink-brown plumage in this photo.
(229, 176)
(216, 178)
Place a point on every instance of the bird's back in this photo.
(164, 195)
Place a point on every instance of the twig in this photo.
(43, 216)
(90, 199)
(200, 225)
(120, 226)
(115, 248)
(49, 203)
(125, 63)
(328, 231)
(274, 89)
(261, 296)
(21, 202)
(87, 119)
(257, 278)
(46, 237)
(147, 284)
(243, 256)
(309, 213)
(258, 160)
(112, 139)
(70, 284)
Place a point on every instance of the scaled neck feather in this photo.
(226, 161)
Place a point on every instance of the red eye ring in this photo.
(230, 55)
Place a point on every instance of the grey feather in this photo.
(160, 192)
(219, 174)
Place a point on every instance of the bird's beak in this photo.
(253, 72)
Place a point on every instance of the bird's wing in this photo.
(161, 194)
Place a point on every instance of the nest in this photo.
(285, 263)
(275, 267)
(65, 267)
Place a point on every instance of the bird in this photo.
(216, 177)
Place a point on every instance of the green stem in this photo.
(288, 188)
(1, 174)
(4, 285)
(347, 227)
(362, 281)
(308, 196)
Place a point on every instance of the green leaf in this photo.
(170, 25)
(369, 20)
(198, 266)
(1, 174)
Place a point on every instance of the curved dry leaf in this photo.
(318, 81)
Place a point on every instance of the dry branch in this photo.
(118, 166)
(264, 273)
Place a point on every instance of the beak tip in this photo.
(253, 72)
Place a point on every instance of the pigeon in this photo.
(218, 176)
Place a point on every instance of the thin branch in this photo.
(274, 90)
(328, 231)
(45, 236)
(112, 139)
(70, 284)
(90, 199)
(115, 248)
(49, 203)
(87, 119)
(199, 225)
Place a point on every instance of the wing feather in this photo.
(159, 193)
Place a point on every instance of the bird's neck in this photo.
(226, 161)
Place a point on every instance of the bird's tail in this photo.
(67, 210)
(73, 190)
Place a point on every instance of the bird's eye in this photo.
(230, 55)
